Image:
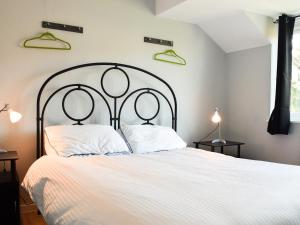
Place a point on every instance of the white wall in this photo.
(113, 31)
(248, 108)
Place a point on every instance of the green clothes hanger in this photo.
(172, 57)
(47, 36)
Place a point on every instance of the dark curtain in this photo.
(279, 121)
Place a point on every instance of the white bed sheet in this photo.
(182, 187)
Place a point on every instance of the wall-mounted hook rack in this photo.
(158, 41)
(65, 27)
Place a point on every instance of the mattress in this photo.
(180, 187)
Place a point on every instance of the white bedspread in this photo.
(182, 187)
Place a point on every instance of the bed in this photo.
(182, 186)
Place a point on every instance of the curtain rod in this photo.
(276, 21)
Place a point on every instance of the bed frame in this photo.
(110, 101)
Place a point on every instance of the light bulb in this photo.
(14, 116)
(216, 118)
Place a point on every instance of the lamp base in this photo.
(215, 141)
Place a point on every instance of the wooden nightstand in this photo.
(221, 145)
(9, 191)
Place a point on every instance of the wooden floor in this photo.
(32, 218)
(29, 215)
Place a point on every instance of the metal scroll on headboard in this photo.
(113, 111)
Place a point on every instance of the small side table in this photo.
(9, 191)
(220, 145)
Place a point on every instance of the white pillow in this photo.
(48, 148)
(68, 140)
(151, 138)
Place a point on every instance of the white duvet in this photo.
(182, 187)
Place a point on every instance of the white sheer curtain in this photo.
(295, 90)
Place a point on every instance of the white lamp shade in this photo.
(14, 116)
(216, 118)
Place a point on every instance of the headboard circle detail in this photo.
(102, 82)
(79, 120)
(135, 106)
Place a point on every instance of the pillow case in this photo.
(151, 138)
(119, 131)
(68, 140)
(49, 149)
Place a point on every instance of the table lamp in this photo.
(216, 118)
(13, 115)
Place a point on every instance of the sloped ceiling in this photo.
(233, 24)
(163, 5)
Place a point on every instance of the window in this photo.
(295, 88)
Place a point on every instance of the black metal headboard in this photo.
(114, 111)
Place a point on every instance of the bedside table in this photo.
(9, 191)
(221, 145)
